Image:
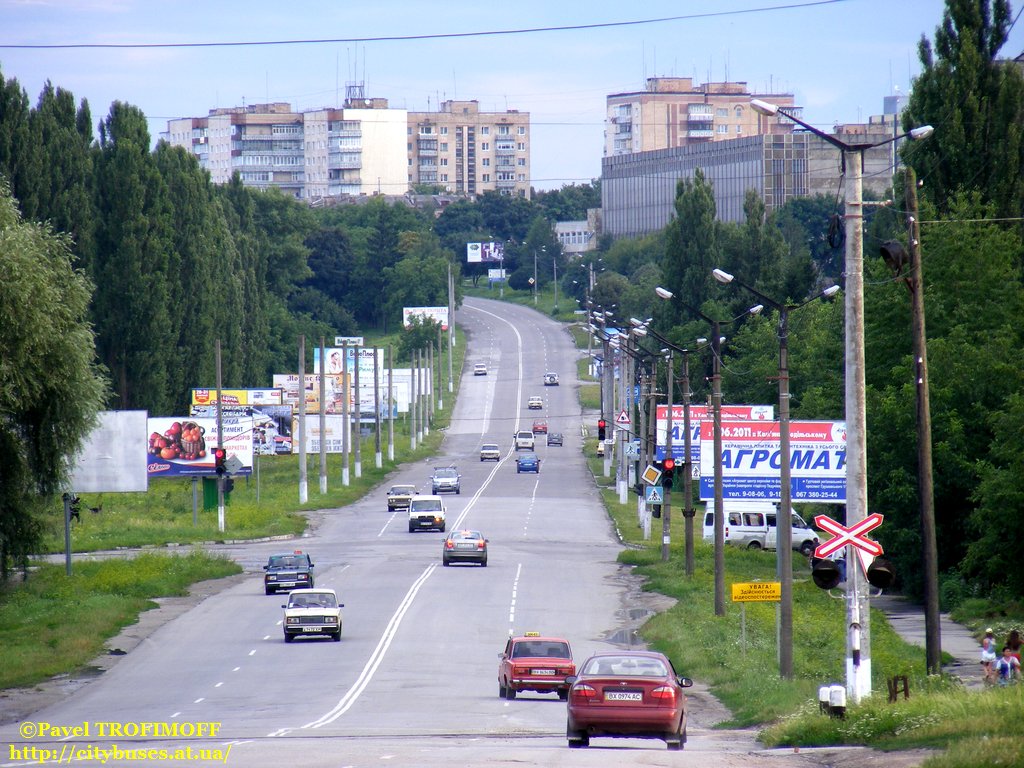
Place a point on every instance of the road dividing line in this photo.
(512, 604)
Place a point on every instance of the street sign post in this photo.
(653, 494)
(651, 475)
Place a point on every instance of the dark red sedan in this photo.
(630, 694)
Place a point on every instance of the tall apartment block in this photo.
(468, 151)
(673, 112)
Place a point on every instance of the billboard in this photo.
(237, 396)
(481, 253)
(113, 457)
(271, 425)
(334, 391)
(183, 446)
(335, 362)
(751, 465)
(437, 314)
(699, 413)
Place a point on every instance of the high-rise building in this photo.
(673, 112)
(463, 150)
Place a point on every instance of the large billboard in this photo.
(207, 396)
(183, 446)
(437, 314)
(335, 362)
(333, 387)
(751, 461)
(477, 253)
(699, 413)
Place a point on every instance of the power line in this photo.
(437, 36)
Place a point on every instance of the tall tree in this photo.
(692, 248)
(975, 103)
(50, 386)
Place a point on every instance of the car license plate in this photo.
(311, 629)
(623, 696)
(543, 671)
(465, 545)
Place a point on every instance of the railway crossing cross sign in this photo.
(841, 535)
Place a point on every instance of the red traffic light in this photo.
(601, 424)
(669, 464)
(219, 458)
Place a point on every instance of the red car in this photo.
(631, 694)
(535, 663)
(540, 427)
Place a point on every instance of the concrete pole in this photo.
(358, 438)
(303, 480)
(346, 422)
(412, 401)
(378, 460)
(858, 647)
(688, 511)
(716, 414)
(451, 327)
(220, 442)
(784, 520)
(323, 416)
(440, 358)
(666, 504)
(391, 406)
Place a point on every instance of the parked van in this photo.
(752, 524)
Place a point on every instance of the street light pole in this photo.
(858, 645)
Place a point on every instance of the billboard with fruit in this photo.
(181, 446)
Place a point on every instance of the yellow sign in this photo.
(651, 475)
(757, 592)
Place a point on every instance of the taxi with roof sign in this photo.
(534, 662)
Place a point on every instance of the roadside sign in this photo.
(651, 475)
(632, 450)
(623, 418)
(653, 494)
(841, 535)
(757, 592)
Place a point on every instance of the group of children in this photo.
(1005, 668)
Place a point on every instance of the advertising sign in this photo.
(237, 396)
(495, 275)
(335, 391)
(113, 457)
(437, 314)
(333, 436)
(699, 413)
(271, 425)
(750, 461)
(477, 253)
(335, 362)
(183, 446)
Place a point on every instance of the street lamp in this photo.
(858, 608)
(783, 520)
(716, 415)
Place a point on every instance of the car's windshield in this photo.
(625, 666)
(319, 600)
(426, 505)
(401, 489)
(287, 561)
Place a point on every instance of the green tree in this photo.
(571, 202)
(50, 386)
(692, 246)
(975, 103)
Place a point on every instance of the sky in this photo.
(839, 58)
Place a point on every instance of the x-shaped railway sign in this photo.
(841, 535)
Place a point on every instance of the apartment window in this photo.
(521, 146)
(722, 112)
(444, 161)
(521, 130)
(485, 130)
(444, 146)
(486, 177)
(522, 177)
(503, 130)
(739, 129)
(739, 113)
(408, 131)
(484, 146)
(444, 130)
(486, 162)
(723, 129)
(521, 161)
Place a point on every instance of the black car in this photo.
(554, 438)
(293, 570)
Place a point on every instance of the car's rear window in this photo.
(544, 649)
(445, 473)
(490, 447)
(625, 666)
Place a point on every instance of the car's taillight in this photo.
(584, 691)
(666, 694)
(480, 544)
(449, 544)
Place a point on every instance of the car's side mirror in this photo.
(571, 679)
(284, 606)
(341, 605)
(684, 682)
(266, 567)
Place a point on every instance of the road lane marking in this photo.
(512, 605)
(350, 697)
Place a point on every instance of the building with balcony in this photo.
(466, 151)
(673, 112)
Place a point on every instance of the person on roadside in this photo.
(988, 655)
(1008, 667)
(1013, 641)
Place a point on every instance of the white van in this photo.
(752, 524)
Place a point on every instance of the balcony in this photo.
(700, 133)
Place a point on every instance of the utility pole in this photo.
(323, 416)
(346, 423)
(220, 443)
(358, 438)
(451, 326)
(925, 489)
(303, 479)
(716, 414)
(666, 503)
(688, 511)
(377, 458)
(391, 406)
(412, 401)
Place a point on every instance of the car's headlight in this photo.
(291, 620)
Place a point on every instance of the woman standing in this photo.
(988, 655)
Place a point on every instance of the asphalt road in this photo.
(413, 681)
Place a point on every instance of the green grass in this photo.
(54, 623)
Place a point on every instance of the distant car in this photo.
(627, 694)
(490, 451)
(290, 570)
(527, 462)
(464, 547)
(535, 403)
(535, 663)
(540, 426)
(524, 440)
(312, 613)
(480, 369)
(550, 379)
(399, 496)
(446, 480)
(554, 438)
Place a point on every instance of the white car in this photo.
(550, 379)
(490, 452)
(535, 403)
(312, 613)
(480, 369)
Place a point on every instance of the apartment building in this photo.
(673, 112)
(466, 151)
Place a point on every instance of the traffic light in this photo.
(881, 574)
(220, 457)
(656, 510)
(602, 429)
(668, 470)
(826, 573)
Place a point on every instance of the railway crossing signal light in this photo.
(881, 574)
(826, 573)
